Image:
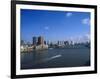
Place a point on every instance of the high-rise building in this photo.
(40, 40)
(35, 40)
(45, 42)
(58, 43)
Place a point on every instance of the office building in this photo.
(40, 40)
(35, 40)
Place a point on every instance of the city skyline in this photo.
(54, 25)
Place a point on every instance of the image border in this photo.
(13, 38)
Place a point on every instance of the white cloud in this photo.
(87, 36)
(86, 21)
(81, 38)
(46, 28)
(68, 14)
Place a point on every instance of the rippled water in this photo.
(58, 57)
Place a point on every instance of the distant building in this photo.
(29, 44)
(45, 42)
(66, 42)
(51, 44)
(40, 40)
(48, 42)
(60, 43)
(22, 42)
(35, 40)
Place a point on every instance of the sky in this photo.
(54, 25)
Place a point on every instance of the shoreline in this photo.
(27, 51)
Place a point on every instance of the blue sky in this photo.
(54, 25)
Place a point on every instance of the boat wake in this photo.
(51, 58)
(48, 59)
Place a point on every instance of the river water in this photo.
(56, 57)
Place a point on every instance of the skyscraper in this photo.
(40, 40)
(45, 42)
(35, 40)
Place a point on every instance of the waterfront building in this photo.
(40, 40)
(48, 42)
(58, 43)
(66, 42)
(61, 43)
(45, 42)
(35, 40)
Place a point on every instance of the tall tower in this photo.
(35, 40)
(40, 40)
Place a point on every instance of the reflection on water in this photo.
(52, 58)
(39, 56)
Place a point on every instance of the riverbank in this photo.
(34, 48)
(45, 47)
